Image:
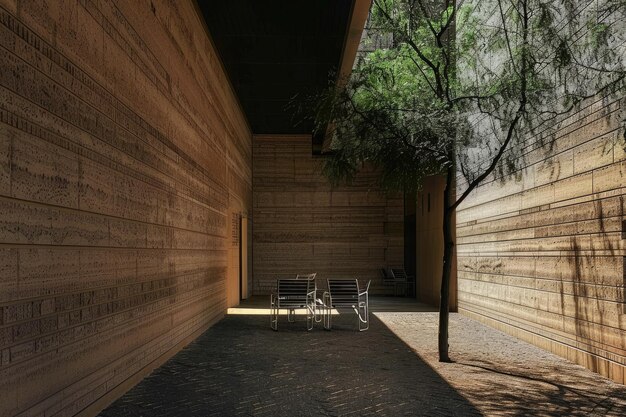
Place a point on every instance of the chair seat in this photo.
(292, 294)
(345, 293)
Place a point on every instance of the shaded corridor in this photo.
(240, 367)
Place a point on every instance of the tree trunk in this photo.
(444, 303)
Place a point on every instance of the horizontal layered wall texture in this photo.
(124, 163)
(303, 225)
(542, 257)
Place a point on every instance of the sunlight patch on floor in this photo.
(266, 311)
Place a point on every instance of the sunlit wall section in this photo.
(541, 252)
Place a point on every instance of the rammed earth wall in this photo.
(541, 254)
(124, 159)
(302, 224)
(542, 257)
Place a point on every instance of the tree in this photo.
(462, 89)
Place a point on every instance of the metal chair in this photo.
(318, 305)
(345, 293)
(292, 294)
(401, 278)
(389, 280)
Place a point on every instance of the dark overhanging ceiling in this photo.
(275, 50)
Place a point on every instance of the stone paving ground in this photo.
(503, 376)
(240, 367)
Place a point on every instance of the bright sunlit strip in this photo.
(266, 311)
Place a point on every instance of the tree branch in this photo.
(406, 39)
(494, 162)
(432, 87)
(518, 115)
(506, 37)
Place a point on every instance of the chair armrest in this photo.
(273, 299)
(326, 296)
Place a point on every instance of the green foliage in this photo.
(467, 88)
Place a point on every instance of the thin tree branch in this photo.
(433, 67)
(506, 37)
(432, 87)
(406, 39)
(518, 114)
(427, 17)
(494, 162)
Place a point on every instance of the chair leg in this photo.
(327, 312)
(291, 315)
(273, 313)
(364, 321)
(362, 312)
(310, 317)
(274, 318)
(319, 311)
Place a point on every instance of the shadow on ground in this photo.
(241, 367)
(504, 376)
(500, 390)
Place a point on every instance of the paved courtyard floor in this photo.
(240, 367)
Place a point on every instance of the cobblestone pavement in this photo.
(503, 376)
(240, 367)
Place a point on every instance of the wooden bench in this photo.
(292, 294)
(345, 293)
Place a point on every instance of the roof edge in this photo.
(354, 31)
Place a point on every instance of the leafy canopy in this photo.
(437, 86)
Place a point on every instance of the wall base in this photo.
(607, 368)
(109, 398)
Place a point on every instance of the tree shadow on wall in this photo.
(597, 300)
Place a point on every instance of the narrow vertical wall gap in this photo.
(624, 284)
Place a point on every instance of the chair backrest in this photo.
(387, 274)
(399, 274)
(344, 292)
(306, 276)
(293, 292)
